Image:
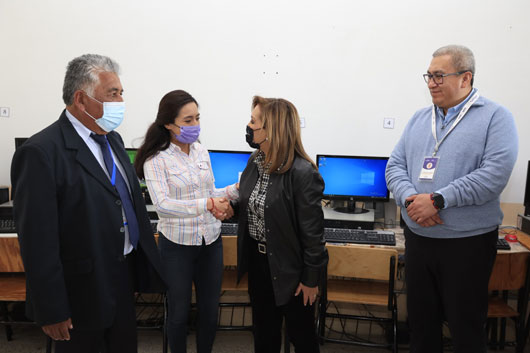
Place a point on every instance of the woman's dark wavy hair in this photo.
(158, 137)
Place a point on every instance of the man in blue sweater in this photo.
(447, 173)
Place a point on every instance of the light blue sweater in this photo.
(476, 161)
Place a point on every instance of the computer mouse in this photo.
(511, 238)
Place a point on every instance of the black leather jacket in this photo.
(294, 224)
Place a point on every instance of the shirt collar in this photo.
(173, 148)
(81, 129)
(260, 157)
(453, 111)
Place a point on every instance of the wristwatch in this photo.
(437, 201)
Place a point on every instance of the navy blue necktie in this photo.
(120, 185)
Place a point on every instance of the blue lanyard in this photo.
(113, 176)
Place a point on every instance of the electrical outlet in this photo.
(4, 112)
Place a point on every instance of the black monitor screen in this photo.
(527, 192)
(353, 177)
(227, 166)
(132, 153)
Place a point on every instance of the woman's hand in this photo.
(218, 206)
(310, 293)
(229, 211)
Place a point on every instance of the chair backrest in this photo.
(10, 260)
(229, 250)
(360, 261)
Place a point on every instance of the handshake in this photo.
(220, 208)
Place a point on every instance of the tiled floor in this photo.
(29, 339)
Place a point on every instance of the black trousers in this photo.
(184, 265)
(447, 280)
(267, 318)
(121, 336)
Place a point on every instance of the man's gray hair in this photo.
(462, 58)
(82, 73)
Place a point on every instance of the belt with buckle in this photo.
(262, 248)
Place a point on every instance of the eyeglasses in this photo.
(439, 78)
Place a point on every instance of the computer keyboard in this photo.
(228, 228)
(7, 226)
(502, 244)
(359, 236)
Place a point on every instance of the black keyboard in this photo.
(502, 244)
(228, 228)
(359, 236)
(7, 226)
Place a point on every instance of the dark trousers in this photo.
(447, 280)
(267, 318)
(182, 265)
(121, 336)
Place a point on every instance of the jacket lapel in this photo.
(84, 156)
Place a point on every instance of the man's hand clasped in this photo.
(422, 211)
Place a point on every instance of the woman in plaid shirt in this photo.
(181, 184)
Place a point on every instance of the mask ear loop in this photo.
(87, 113)
(88, 95)
(266, 139)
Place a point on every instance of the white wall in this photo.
(345, 64)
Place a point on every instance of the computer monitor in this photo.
(227, 166)
(132, 153)
(19, 141)
(353, 178)
(527, 192)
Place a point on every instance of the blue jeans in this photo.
(203, 265)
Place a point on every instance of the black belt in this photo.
(260, 246)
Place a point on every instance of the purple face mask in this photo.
(188, 134)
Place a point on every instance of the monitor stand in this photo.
(350, 208)
(334, 219)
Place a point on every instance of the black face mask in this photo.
(249, 136)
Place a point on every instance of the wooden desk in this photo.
(10, 260)
(12, 279)
(509, 270)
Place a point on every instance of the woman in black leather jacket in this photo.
(280, 242)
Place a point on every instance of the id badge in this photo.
(428, 168)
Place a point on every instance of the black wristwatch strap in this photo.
(438, 201)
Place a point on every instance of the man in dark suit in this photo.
(83, 228)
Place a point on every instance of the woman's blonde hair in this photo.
(282, 126)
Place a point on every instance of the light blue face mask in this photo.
(112, 114)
